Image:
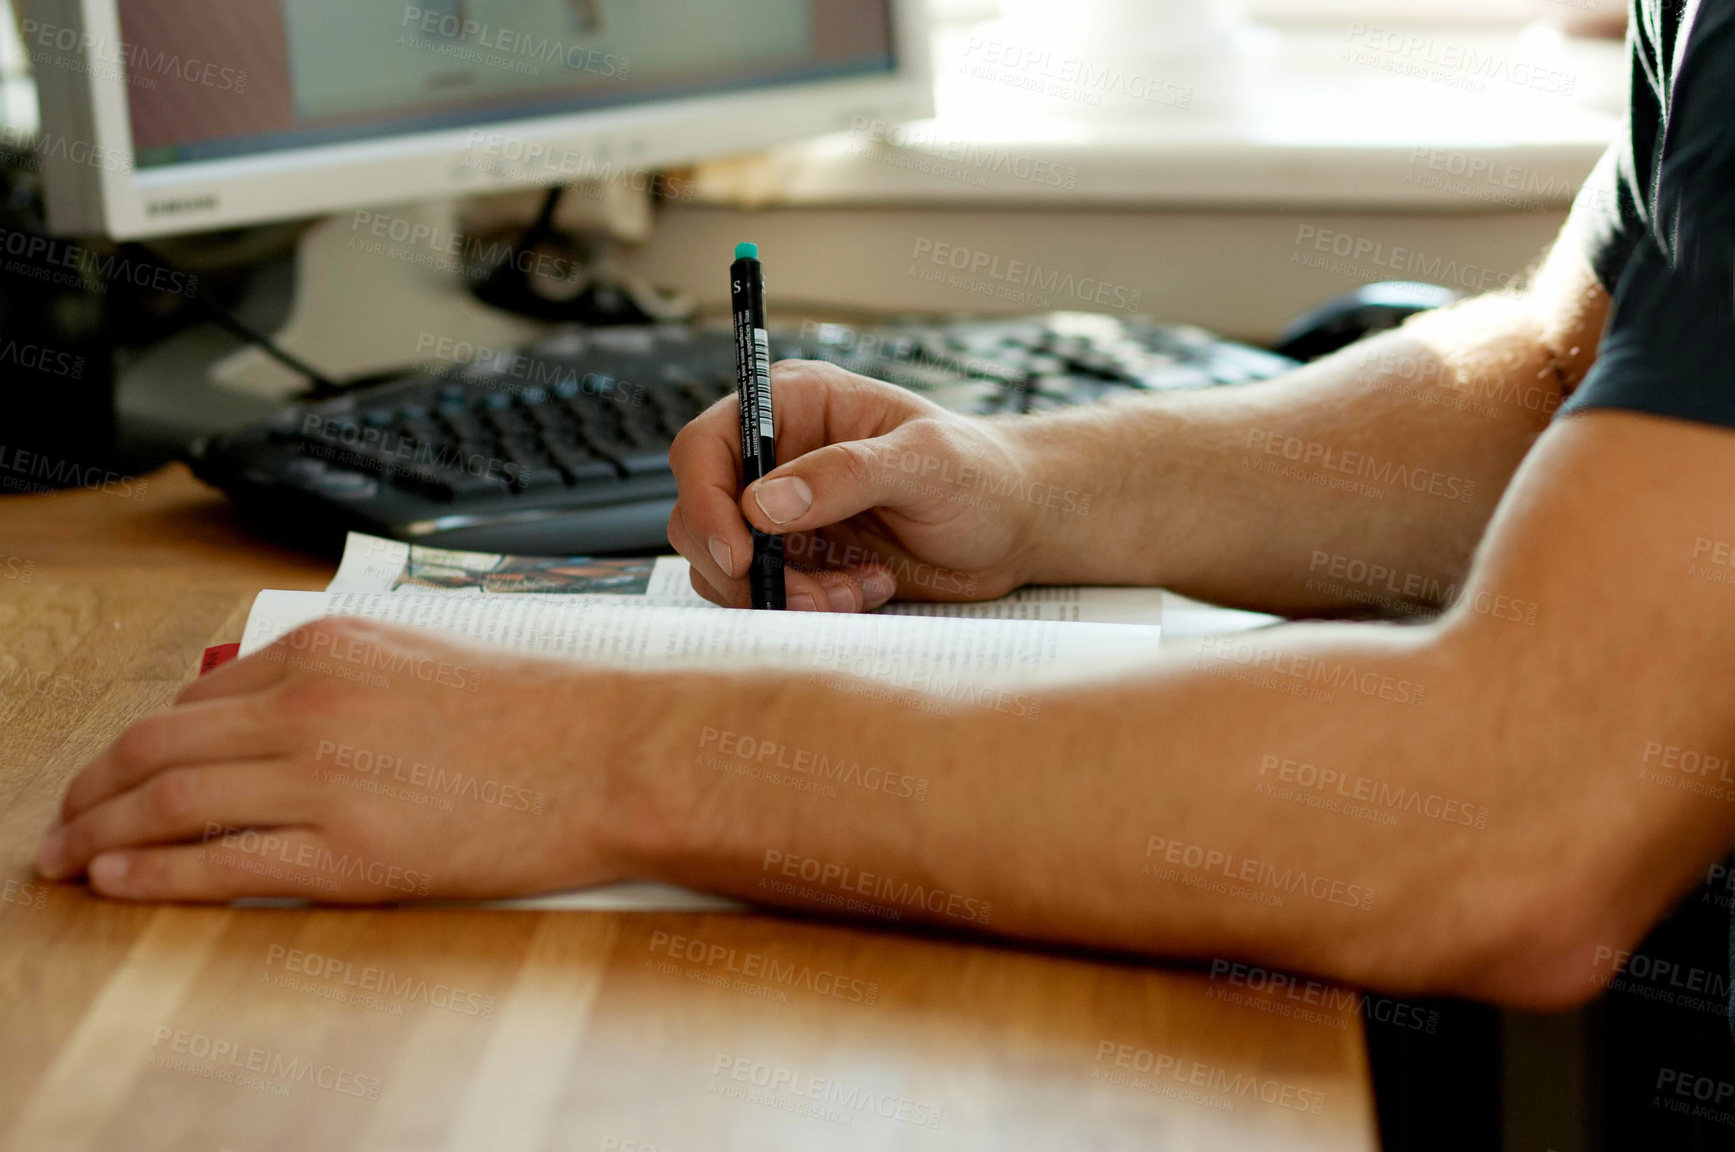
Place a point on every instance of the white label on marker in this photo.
(762, 381)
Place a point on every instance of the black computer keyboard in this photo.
(562, 447)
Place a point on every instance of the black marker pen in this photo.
(758, 429)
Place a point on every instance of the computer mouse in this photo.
(1344, 319)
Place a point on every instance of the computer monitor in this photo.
(171, 116)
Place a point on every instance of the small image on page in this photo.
(372, 564)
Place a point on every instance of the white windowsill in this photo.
(1304, 116)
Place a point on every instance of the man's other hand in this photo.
(353, 761)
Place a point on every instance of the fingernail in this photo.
(842, 598)
(802, 602)
(783, 499)
(108, 870)
(723, 555)
(878, 586)
(50, 860)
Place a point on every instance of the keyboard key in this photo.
(536, 476)
(463, 485)
(646, 462)
(581, 467)
(345, 485)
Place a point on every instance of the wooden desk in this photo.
(187, 1029)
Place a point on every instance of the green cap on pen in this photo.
(746, 251)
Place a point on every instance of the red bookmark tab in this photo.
(218, 655)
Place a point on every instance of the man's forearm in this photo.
(1358, 484)
(1235, 802)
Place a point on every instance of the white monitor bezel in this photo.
(321, 179)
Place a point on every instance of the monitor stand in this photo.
(366, 292)
(350, 303)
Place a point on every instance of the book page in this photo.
(951, 659)
(928, 655)
(1089, 605)
(372, 564)
(388, 569)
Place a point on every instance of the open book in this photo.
(371, 564)
(643, 612)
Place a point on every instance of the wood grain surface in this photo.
(145, 1028)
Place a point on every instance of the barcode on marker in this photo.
(762, 381)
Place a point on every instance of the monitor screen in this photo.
(211, 81)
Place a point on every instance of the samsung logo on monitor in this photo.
(181, 205)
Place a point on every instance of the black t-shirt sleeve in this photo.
(1670, 345)
(1610, 212)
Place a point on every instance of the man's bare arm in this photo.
(1360, 483)
(1512, 742)
(1356, 485)
(1475, 805)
